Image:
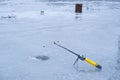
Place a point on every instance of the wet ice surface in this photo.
(116, 74)
(93, 33)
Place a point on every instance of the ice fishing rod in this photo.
(81, 58)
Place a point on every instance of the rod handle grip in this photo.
(93, 63)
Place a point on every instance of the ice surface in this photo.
(94, 33)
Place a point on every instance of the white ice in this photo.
(26, 33)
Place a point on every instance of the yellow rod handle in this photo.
(93, 63)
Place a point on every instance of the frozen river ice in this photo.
(25, 33)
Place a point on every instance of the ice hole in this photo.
(42, 57)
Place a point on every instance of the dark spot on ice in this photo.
(8, 17)
(43, 58)
(42, 12)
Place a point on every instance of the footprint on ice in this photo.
(42, 57)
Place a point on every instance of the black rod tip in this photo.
(99, 66)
